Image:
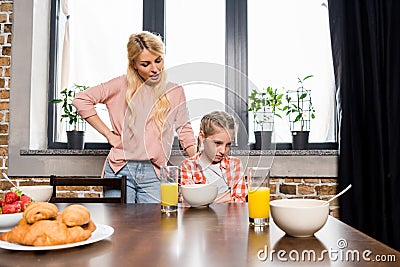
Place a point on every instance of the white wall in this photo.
(28, 97)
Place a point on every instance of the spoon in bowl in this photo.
(8, 179)
(338, 195)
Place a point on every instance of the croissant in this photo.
(89, 226)
(77, 234)
(37, 211)
(17, 233)
(53, 230)
(74, 215)
(45, 233)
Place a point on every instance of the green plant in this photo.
(69, 111)
(300, 106)
(267, 103)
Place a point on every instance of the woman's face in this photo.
(149, 66)
(216, 146)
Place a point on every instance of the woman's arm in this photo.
(104, 93)
(102, 128)
(191, 150)
(182, 122)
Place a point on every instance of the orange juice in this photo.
(169, 194)
(258, 199)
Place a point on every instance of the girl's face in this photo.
(149, 66)
(216, 146)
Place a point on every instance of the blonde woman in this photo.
(144, 109)
(212, 164)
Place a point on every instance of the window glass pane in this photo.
(289, 39)
(196, 33)
(98, 37)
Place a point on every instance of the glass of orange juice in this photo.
(169, 188)
(258, 195)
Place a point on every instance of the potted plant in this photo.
(300, 111)
(265, 106)
(75, 126)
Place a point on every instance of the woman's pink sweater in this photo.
(145, 143)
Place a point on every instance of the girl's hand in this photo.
(223, 198)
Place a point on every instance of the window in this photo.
(269, 42)
(203, 40)
(289, 39)
(97, 50)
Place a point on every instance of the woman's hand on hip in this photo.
(114, 139)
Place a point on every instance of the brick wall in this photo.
(62, 191)
(6, 18)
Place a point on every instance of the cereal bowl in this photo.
(199, 194)
(299, 217)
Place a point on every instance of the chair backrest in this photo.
(80, 181)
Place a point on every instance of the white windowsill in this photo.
(285, 163)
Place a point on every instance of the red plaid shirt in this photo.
(232, 172)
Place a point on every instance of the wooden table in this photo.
(218, 235)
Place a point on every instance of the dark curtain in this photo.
(365, 46)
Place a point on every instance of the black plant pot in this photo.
(76, 139)
(300, 140)
(263, 140)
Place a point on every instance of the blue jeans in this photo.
(143, 185)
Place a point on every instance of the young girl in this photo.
(212, 164)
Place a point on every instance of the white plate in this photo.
(102, 231)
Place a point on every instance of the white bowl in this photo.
(38, 193)
(199, 194)
(8, 221)
(299, 217)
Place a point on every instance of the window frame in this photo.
(53, 59)
(53, 62)
(236, 57)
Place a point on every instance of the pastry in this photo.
(75, 214)
(17, 233)
(77, 234)
(43, 226)
(45, 233)
(89, 226)
(37, 211)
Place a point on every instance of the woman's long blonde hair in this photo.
(136, 44)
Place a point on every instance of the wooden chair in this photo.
(79, 181)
